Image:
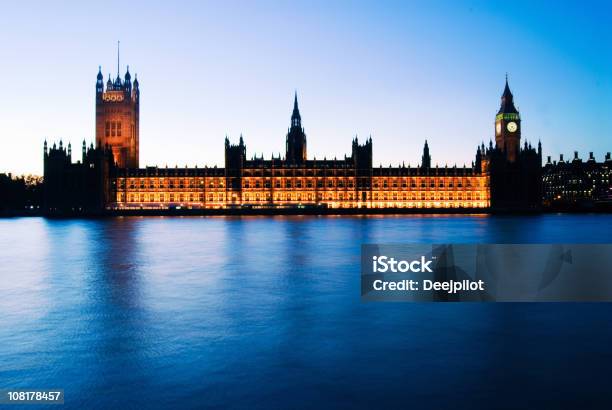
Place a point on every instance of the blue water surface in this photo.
(265, 312)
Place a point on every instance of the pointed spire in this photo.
(296, 119)
(507, 91)
(426, 158)
(507, 101)
(539, 148)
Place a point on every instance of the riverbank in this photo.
(604, 208)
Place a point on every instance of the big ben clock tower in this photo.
(508, 126)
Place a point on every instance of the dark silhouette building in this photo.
(515, 172)
(578, 184)
(296, 138)
(84, 186)
(20, 194)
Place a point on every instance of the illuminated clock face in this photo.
(112, 96)
(498, 128)
(512, 127)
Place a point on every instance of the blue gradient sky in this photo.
(402, 72)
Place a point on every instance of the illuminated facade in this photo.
(327, 183)
(118, 117)
(293, 181)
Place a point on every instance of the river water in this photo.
(265, 312)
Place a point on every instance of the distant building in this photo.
(578, 183)
(109, 177)
(12, 191)
(20, 194)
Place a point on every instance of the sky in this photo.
(401, 72)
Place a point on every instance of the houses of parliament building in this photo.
(504, 174)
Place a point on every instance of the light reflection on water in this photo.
(264, 312)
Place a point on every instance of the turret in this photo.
(362, 155)
(118, 85)
(296, 138)
(136, 89)
(426, 158)
(540, 150)
(128, 83)
(99, 83)
(235, 157)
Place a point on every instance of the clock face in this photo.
(498, 128)
(512, 127)
(112, 96)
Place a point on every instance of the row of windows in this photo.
(349, 171)
(288, 183)
(201, 197)
(171, 197)
(349, 197)
(113, 129)
(172, 184)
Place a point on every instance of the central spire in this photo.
(296, 119)
(426, 158)
(296, 139)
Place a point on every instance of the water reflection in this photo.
(267, 311)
